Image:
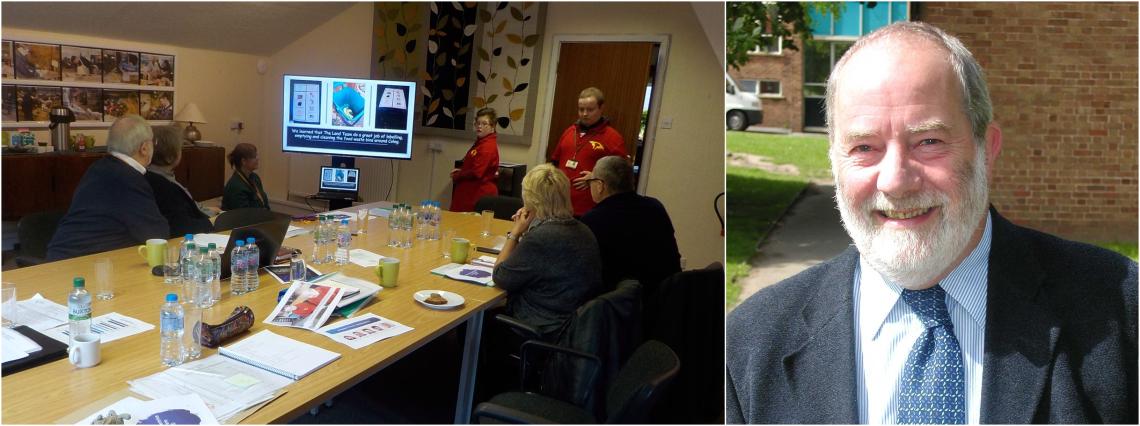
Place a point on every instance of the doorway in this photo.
(628, 71)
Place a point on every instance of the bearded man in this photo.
(944, 312)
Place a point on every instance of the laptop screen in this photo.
(339, 179)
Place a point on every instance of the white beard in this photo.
(914, 258)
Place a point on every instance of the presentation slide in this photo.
(348, 117)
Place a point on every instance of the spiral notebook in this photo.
(279, 354)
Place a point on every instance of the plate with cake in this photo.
(438, 299)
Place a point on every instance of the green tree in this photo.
(747, 21)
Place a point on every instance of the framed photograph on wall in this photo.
(120, 66)
(7, 70)
(156, 104)
(85, 103)
(81, 64)
(36, 61)
(34, 103)
(9, 103)
(156, 70)
(118, 103)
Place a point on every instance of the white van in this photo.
(741, 109)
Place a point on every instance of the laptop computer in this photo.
(268, 236)
(338, 183)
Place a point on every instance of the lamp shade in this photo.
(190, 114)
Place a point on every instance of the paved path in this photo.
(809, 233)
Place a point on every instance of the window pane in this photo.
(875, 16)
(820, 23)
(898, 11)
(848, 21)
(815, 90)
(817, 61)
(769, 87)
(748, 86)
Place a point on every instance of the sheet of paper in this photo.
(355, 289)
(182, 409)
(205, 239)
(213, 379)
(487, 261)
(112, 326)
(363, 330)
(41, 314)
(364, 258)
(295, 231)
(379, 212)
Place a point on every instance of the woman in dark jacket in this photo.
(174, 201)
(244, 189)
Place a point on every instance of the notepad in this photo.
(279, 354)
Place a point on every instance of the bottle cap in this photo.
(203, 250)
(171, 297)
(189, 237)
(78, 282)
(250, 240)
(240, 243)
(191, 245)
(344, 221)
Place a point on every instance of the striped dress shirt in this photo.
(886, 329)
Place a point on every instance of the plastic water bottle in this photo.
(394, 226)
(205, 278)
(436, 218)
(253, 264)
(297, 269)
(331, 235)
(343, 242)
(409, 224)
(216, 268)
(238, 266)
(318, 241)
(78, 310)
(189, 270)
(170, 322)
(192, 315)
(186, 248)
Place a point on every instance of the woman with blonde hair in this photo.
(550, 263)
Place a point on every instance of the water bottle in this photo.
(318, 241)
(436, 218)
(331, 235)
(216, 268)
(238, 266)
(205, 282)
(78, 310)
(424, 221)
(297, 270)
(192, 315)
(189, 270)
(409, 223)
(253, 264)
(343, 241)
(170, 322)
(186, 248)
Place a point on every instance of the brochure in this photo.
(181, 410)
(472, 273)
(281, 273)
(364, 330)
(353, 289)
(305, 305)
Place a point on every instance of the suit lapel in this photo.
(821, 371)
(1021, 336)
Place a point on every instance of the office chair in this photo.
(504, 207)
(33, 233)
(631, 397)
(231, 219)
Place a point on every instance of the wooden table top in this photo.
(53, 391)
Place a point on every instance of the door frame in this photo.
(654, 98)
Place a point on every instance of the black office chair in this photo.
(504, 207)
(632, 396)
(33, 233)
(231, 219)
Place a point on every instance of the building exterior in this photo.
(1063, 82)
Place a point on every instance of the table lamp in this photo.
(190, 114)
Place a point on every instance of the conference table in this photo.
(57, 390)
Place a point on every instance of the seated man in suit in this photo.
(113, 206)
(944, 311)
(633, 231)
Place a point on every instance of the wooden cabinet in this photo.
(44, 182)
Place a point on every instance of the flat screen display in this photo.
(339, 179)
(348, 116)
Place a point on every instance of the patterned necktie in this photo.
(933, 388)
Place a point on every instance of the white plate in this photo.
(453, 300)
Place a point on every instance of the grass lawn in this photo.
(1126, 249)
(756, 198)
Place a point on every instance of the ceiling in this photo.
(257, 28)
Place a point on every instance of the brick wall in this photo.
(1063, 80)
(787, 112)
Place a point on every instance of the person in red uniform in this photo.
(477, 178)
(583, 144)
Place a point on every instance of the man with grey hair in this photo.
(633, 231)
(943, 312)
(113, 206)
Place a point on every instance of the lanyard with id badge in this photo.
(572, 163)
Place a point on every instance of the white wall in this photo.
(226, 86)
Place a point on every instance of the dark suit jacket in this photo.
(113, 207)
(177, 207)
(1060, 343)
(636, 238)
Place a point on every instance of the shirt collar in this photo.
(130, 162)
(880, 295)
